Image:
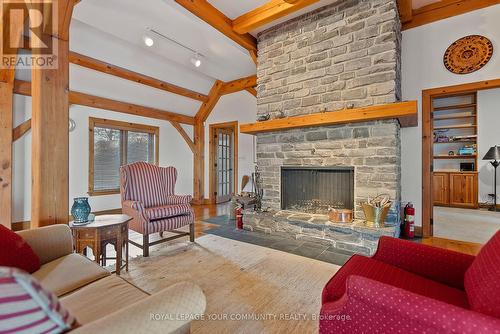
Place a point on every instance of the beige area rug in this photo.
(465, 224)
(281, 292)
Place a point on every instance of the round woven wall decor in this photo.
(468, 54)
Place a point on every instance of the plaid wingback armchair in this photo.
(147, 194)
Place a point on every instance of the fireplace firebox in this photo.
(317, 189)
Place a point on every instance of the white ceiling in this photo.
(128, 20)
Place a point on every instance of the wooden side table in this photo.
(106, 229)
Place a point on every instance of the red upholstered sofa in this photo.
(407, 287)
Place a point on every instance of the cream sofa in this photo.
(105, 303)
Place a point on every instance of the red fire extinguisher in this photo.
(239, 218)
(409, 227)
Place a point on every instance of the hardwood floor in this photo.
(203, 212)
(466, 247)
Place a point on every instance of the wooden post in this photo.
(50, 142)
(49, 123)
(199, 162)
(6, 93)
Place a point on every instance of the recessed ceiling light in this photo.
(148, 41)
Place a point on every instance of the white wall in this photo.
(239, 107)
(488, 104)
(422, 68)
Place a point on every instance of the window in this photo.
(113, 144)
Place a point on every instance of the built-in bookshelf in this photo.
(454, 124)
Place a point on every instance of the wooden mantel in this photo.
(405, 112)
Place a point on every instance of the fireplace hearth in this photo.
(317, 189)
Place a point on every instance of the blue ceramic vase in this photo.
(80, 209)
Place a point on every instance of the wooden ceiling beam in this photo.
(252, 91)
(24, 88)
(211, 15)
(267, 13)
(21, 130)
(184, 135)
(445, 9)
(405, 10)
(101, 66)
(238, 85)
(207, 107)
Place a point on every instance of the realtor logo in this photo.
(27, 29)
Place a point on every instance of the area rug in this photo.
(227, 228)
(249, 288)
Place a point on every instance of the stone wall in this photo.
(340, 56)
(345, 54)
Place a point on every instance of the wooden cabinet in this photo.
(440, 187)
(456, 189)
(463, 190)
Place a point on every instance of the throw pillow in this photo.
(26, 307)
(15, 252)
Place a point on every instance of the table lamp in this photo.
(494, 156)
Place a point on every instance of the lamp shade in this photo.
(493, 153)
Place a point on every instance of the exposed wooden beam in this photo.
(49, 123)
(184, 135)
(15, 25)
(253, 54)
(211, 15)
(405, 10)
(6, 90)
(252, 91)
(238, 85)
(22, 88)
(101, 66)
(21, 129)
(405, 112)
(127, 108)
(444, 9)
(199, 163)
(267, 13)
(207, 107)
(199, 141)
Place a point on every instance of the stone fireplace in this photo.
(345, 55)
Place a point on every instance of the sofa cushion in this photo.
(101, 298)
(482, 279)
(16, 252)
(167, 211)
(69, 273)
(169, 224)
(25, 307)
(385, 273)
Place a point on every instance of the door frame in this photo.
(427, 141)
(211, 160)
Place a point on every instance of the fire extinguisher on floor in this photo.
(239, 218)
(409, 226)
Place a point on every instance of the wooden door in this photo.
(463, 190)
(223, 161)
(440, 189)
